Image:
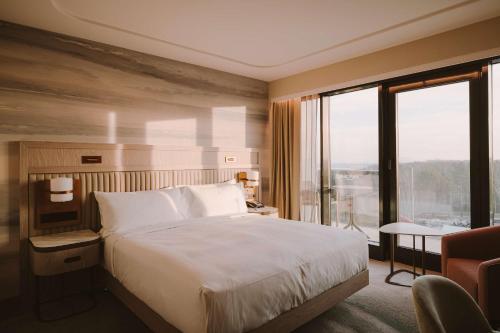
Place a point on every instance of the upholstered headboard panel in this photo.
(122, 181)
(123, 168)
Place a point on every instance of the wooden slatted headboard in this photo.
(122, 168)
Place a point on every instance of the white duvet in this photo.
(232, 273)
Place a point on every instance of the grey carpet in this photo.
(377, 308)
(380, 307)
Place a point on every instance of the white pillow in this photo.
(121, 211)
(213, 200)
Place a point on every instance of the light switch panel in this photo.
(230, 159)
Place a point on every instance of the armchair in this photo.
(472, 259)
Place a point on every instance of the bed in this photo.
(232, 273)
(216, 271)
(195, 257)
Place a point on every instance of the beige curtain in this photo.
(285, 160)
(310, 160)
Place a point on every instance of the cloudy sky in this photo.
(433, 124)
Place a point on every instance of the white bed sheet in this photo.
(232, 273)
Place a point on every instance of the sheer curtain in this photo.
(310, 160)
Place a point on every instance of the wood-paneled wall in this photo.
(58, 88)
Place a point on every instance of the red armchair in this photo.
(472, 259)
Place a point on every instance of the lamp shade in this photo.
(253, 176)
(61, 189)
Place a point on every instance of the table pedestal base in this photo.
(410, 229)
(414, 272)
(389, 277)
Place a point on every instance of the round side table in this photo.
(411, 229)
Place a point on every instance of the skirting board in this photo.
(286, 322)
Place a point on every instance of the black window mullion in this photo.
(475, 160)
(484, 148)
(379, 251)
(479, 150)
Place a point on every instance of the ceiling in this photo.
(263, 39)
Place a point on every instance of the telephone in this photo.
(255, 204)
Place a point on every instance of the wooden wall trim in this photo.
(111, 146)
(124, 167)
(56, 157)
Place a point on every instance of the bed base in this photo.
(286, 322)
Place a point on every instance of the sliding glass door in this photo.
(433, 159)
(353, 161)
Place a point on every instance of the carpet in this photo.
(380, 307)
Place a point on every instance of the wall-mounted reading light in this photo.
(57, 202)
(61, 189)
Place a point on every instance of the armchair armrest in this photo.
(489, 288)
(481, 243)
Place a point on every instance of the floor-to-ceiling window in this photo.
(414, 149)
(438, 130)
(433, 159)
(353, 137)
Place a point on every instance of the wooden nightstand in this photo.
(266, 210)
(56, 254)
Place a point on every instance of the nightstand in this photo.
(266, 210)
(57, 254)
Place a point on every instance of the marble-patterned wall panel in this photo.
(58, 88)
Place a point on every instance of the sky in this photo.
(433, 123)
(354, 127)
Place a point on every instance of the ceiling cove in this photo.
(263, 39)
(60, 7)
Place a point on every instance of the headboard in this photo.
(122, 167)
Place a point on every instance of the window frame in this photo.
(476, 73)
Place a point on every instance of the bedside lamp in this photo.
(250, 180)
(61, 189)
